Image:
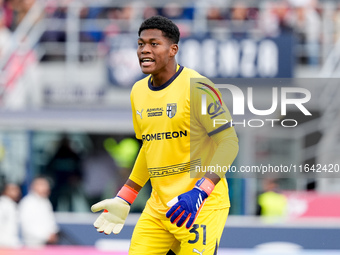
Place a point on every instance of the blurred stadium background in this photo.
(67, 68)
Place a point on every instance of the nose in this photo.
(145, 49)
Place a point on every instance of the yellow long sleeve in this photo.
(140, 174)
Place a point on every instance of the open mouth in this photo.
(145, 62)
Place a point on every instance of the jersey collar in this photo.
(163, 86)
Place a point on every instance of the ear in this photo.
(173, 50)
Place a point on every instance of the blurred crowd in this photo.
(27, 221)
(75, 175)
(98, 24)
(14, 11)
(268, 18)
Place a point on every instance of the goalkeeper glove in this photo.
(115, 211)
(188, 205)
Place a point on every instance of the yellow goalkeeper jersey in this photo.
(177, 137)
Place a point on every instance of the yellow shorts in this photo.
(153, 236)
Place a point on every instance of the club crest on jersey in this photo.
(171, 110)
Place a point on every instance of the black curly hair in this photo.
(169, 29)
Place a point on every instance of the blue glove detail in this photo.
(186, 206)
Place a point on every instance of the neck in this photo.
(163, 76)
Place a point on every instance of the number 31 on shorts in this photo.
(197, 230)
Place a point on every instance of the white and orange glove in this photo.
(188, 205)
(115, 211)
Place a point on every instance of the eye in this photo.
(140, 44)
(154, 44)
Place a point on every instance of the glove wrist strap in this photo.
(128, 194)
(206, 185)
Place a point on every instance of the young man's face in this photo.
(154, 51)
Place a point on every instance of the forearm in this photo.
(139, 175)
(213, 177)
(133, 185)
(226, 152)
(117, 209)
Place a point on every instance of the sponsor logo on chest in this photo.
(155, 112)
(171, 110)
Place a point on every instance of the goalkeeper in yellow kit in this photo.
(187, 210)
